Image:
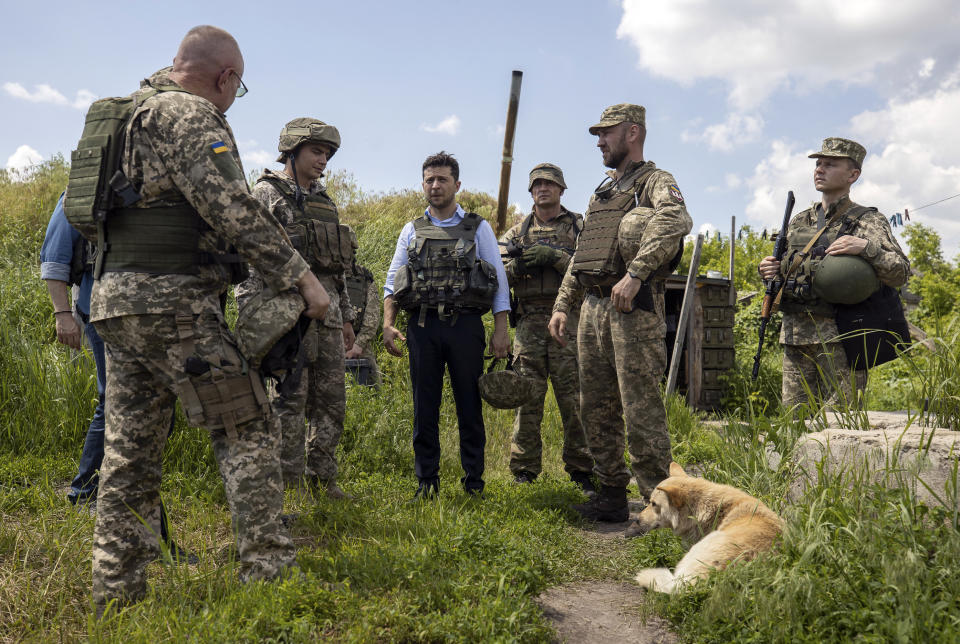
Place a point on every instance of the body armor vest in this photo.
(542, 283)
(798, 296)
(357, 281)
(316, 232)
(598, 261)
(444, 272)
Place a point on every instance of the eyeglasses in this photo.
(242, 90)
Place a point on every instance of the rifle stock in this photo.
(773, 286)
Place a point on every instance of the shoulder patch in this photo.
(675, 192)
(219, 147)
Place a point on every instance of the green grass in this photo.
(858, 561)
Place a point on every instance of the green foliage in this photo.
(938, 281)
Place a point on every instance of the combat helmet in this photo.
(505, 389)
(303, 129)
(269, 329)
(844, 279)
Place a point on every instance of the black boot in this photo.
(584, 481)
(609, 505)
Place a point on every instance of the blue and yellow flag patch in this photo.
(219, 147)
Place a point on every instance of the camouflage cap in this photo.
(303, 129)
(621, 113)
(839, 148)
(549, 172)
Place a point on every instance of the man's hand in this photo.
(390, 335)
(314, 295)
(348, 336)
(68, 331)
(769, 268)
(558, 328)
(500, 340)
(623, 292)
(354, 352)
(847, 245)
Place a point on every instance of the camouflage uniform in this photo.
(321, 395)
(812, 357)
(538, 356)
(623, 355)
(366, 333)
(179, 150)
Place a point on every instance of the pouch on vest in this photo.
(873, 330)
(97, 184)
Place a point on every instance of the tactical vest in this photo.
(542, 283)
(162, 240)
(357, 282)
(316, 231)
(598, 260)
(798, 294)
(444, 272)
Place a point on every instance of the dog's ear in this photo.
(676, 494)
(676, 470)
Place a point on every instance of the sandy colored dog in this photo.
(720, 521)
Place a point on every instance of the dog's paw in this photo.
(656, 579)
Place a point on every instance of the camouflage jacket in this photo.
(179, 148)
(662, 233)
(882, 251)
(366, 334)
(284, 211)
(563, 229)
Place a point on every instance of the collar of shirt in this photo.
(457, 217)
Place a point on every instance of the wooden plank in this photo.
(695, 353)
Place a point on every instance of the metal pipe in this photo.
(506, 162)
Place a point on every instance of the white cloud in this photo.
(926, 67)
(732, 180)
(43, 93)
(738, 129)
(449, 125)
(707, 230)
(913, 159)
(260, 158)
(758, 47)
(23, 158)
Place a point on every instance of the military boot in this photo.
(584, 481)
(609, 505)
(334, 492)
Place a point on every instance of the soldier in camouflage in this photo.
(299, 201)
(538, 250)
(366, 306)
(165, 334)
(813, 358)
(634, 226)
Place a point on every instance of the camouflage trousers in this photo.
(149, 366)
(620, 377)
(310, 419)
(824, 371)
(539, 356)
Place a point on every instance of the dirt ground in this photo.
(598, 612)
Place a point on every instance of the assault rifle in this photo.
(774, 285)
(515, 251)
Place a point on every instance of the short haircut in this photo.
(442, 159)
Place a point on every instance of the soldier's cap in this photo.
(621, 113)
(303, 129)
(549, 172)
(841, 148)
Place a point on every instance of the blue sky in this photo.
(737, 92)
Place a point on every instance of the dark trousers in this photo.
(84, 485)
(458, 347)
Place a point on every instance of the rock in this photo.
(894, 452)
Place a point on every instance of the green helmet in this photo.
(844, 279)
(303, 129)
(264, 320)
(505, 389)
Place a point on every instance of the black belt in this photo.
(600, 291)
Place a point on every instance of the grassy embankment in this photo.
(857, 562)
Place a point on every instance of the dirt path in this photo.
(598, 612)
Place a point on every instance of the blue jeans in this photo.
(84, 485)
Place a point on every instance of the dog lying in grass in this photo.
(723, 524)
